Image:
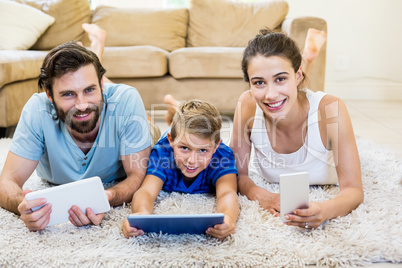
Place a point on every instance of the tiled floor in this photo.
(380, 122)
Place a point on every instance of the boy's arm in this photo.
(143, 202)
(144, 198)
(227, 203)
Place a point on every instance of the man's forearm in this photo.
(10, 196)
(123, 192)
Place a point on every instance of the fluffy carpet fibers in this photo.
(371, 233)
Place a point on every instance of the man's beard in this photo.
(82, 127)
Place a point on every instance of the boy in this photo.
(191, 159)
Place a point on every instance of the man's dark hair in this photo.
(68, 57)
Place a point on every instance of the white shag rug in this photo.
(371, 233)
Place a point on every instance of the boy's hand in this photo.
(129, 231)
(221, 231)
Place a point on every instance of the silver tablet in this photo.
(87, 193)
(294, 192)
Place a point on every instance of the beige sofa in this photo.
(189, 53)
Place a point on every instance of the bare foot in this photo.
(314, 41)
(172, 104)
(97, 36)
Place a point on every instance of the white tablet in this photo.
(175, 224)
(86, 193)
(294, 192)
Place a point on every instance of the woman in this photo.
(293, 129)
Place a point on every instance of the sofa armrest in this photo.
(297, 29)
(20, 65)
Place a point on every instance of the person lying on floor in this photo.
(191, 158)
(61, 130)
(293, 129)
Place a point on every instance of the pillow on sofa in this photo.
(69, 15)
(21, 25)
(231, 24)
(163, 28)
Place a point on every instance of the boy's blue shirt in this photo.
(162, 165)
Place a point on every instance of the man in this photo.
(78, 128)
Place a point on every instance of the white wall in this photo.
(365, 35)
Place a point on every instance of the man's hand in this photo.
(109, 195)
(78, 218)
(267, 200)
(37, 220)
(221, 231)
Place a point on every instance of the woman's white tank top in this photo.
(312, 157)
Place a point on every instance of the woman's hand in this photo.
(311, 217)
(221, 231)
(267, 200)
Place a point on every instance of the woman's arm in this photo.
(241, 145)
(226, 203)
(341, 140)
(337, 135)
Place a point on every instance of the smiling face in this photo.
(192, 153)
(273, 84)
(77, 97)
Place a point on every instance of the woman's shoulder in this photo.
(245, 110)
(247, 97)
(247, 103)
(332, 111)
(331, 106)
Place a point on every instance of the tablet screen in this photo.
(175, 224)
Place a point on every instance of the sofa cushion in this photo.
(165, 28)
(134, 61)
(69, 15)
(206, 62)
(21, 25)
(18, 65)
(231, 24)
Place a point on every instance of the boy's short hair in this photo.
(197, 117)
